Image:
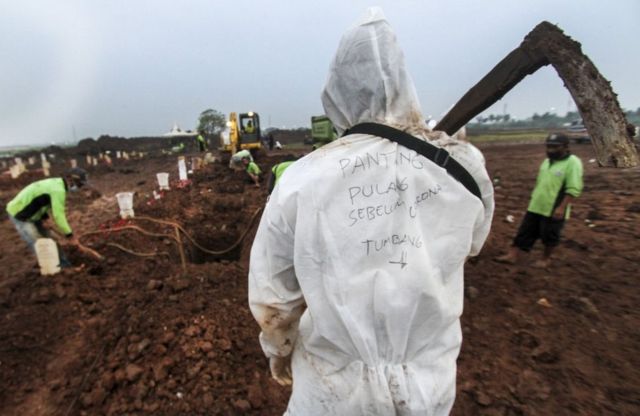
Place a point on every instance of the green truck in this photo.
(322, 131)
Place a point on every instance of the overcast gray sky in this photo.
(133, 68)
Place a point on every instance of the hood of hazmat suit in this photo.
(357, 266)
(368, 81)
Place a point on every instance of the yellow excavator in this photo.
(242, 133)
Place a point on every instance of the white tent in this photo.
(177, 132)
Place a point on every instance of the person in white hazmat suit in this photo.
(356, 271)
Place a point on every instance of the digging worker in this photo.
(356, 271)
(252, 169)
(277, 170)
(33, 207)
(559, 182)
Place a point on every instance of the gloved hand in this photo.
(281, 370)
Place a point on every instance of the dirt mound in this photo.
(165, 342)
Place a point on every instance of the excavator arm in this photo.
(597, 103)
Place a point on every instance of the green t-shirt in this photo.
(279, 169)
(554, 181)
(39, 198)
(253, 168)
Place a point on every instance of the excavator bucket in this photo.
(597, 103)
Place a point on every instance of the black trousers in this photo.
(536, 226)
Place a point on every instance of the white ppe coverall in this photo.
(357, 265)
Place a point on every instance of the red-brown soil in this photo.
(137, 334)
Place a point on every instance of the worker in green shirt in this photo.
(559, 182)
(249, 128)
(253, 170)
(277, 171)
(202, 143)
(33, 207)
